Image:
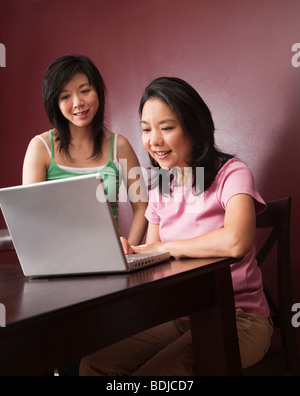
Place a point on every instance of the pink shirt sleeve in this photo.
(235, 179)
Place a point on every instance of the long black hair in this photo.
(59, 73)
(196, 121)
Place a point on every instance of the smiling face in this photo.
(78, 101)
(163, 135)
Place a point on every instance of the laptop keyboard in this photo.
(137, 261)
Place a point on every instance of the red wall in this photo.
(237, 54)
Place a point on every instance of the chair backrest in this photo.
(6, 243)
(277, 218)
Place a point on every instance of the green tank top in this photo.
(109, 173)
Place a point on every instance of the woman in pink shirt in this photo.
(202, 203)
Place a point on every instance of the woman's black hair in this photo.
(196, 121)
(60, 72)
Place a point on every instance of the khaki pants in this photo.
(167, 350)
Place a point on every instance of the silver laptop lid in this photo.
(63, 227)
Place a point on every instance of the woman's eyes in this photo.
(165, 129)
(84, 92)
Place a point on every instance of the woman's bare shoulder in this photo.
(39, 144)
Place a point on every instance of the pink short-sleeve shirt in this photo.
(182, 215)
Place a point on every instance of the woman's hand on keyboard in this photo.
(126, 246)
(157, 247)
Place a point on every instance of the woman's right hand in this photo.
(126, 246)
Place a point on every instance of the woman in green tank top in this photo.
(74, 99)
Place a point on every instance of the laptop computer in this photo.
(66, 227)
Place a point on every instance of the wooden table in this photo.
(53, 322)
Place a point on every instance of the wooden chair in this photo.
(281, 359)
(6, 243)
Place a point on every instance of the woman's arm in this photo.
(235, 239)
(153, 234)
(36, 162)
(136, 190)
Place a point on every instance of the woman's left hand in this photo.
(157, 247)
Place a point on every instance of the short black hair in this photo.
(195, 119)
(59, 73)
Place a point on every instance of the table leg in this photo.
(216, 343)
